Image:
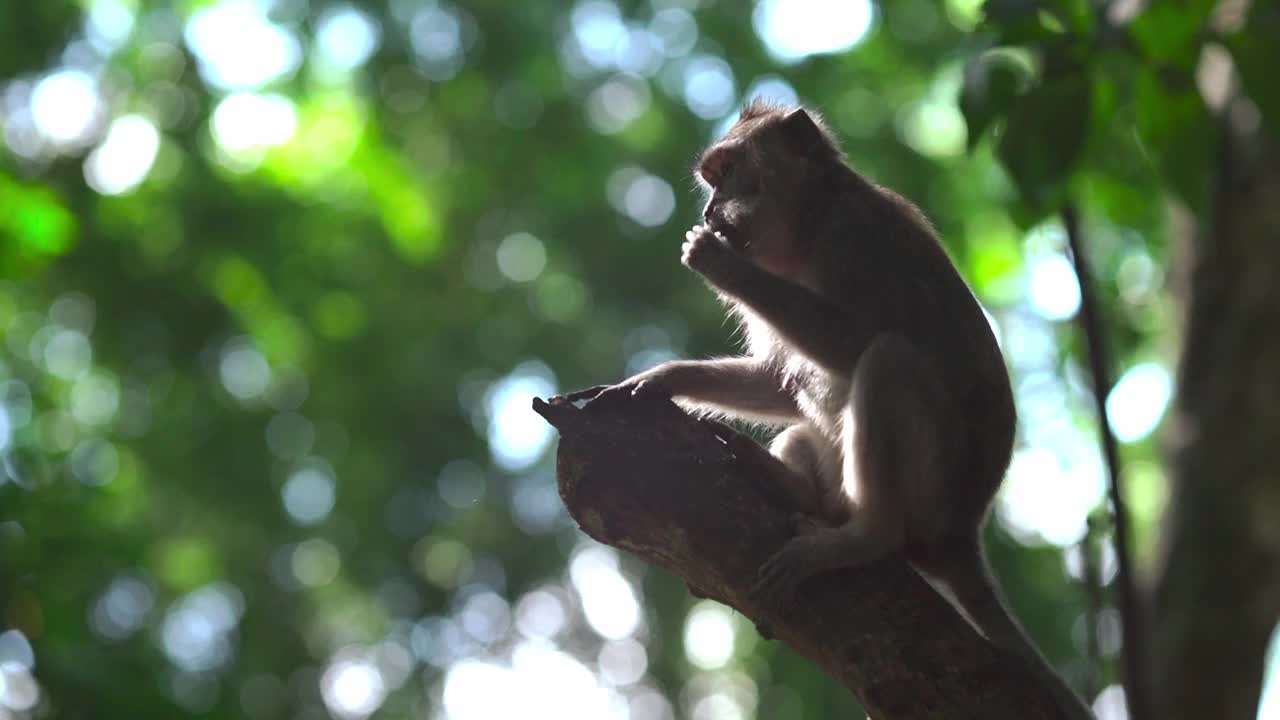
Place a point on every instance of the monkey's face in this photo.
(742, 209)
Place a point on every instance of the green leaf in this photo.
(1170, 31)
(1019, 22)
(1177, 131)
(1043, 138)
(991, 84)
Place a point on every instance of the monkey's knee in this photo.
(815, 462)
(797, 482)
(796, 448)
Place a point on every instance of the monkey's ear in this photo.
(802, 131)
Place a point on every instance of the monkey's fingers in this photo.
(578, 395)
(616, 395)
(780, 576)
(776, 584)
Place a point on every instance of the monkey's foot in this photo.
(801, 558)
(780, 577)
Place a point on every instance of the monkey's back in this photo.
(888, 263)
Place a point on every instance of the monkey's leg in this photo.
(787, 473)
(895, 453)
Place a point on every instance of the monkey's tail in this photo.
(960, 565)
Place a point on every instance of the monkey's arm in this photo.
(742, 387)
(831, 336)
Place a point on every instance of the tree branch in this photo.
(647, 478)
(1137, 696)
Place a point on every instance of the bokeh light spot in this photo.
(521, 257)
(67, 354)
(1042, 499)
(709, 635)
(108, 24)
(308, 496)
(598, 29)
(615, 104)
(95, 398)
(676, 30)
(794, 29)
(65, 106)
(708, 86)
(1052, 288)
(436, 36)
(608, 599)
(244, 371)
(774, 89)
(517, 435)
(18, 689)
(1138, 401)
(485, 617)
(197, 630)
(248, 123)
(15, 648)
(125, 157)
(646, 199)
(94, 462)
(122, 608)
(315, 562)
(623, 662)
(352, 688)
(346, 37)
(238, 47)
(934, 128)
(540, 615)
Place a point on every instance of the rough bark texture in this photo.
(649, 479)
(1217, 598)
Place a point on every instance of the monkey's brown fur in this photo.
(865, 342)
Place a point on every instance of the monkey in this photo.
(867, 346)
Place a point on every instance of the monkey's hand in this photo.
(640, 387)
(709, 254)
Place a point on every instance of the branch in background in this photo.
(1093, 607)
(1134, 650)
(1216, 595)
(647, 478)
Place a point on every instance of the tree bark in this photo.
(1217, 594)
(647, 478)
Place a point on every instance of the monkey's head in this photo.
(762, 178)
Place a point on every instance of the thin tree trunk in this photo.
(1217, 594)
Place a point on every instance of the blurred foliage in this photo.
(269, 336)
